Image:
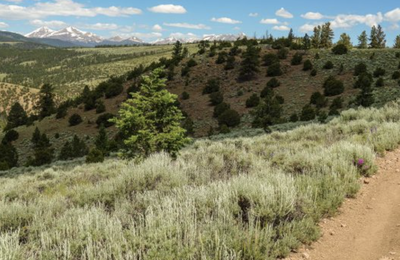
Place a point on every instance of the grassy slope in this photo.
(243, 198)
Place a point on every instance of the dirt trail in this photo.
(368, 227)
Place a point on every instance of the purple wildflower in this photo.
(360, 162)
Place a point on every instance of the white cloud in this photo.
(308, 27)
(100, 26)
(3, 25)
(157, 28)
(168, 9)
(393, 16)
(269, 21)
(253, 14)
(225, 20)
(188, 26)
(313, 16)
(236, 28)
(61, 8)
(281, 28)
(151, 35)
(394, 27)
(14, 1)
(284, 13)
(348, 21)
(179, 35)
(51, 24)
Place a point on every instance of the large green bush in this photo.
(333, 87)
(229, 117)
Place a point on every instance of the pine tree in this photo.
(268, 112)
(306, 42)
(291, 36)
(79, 148)
(46, 104)
(36, 137)
(177, 52)
(381, 37)
(326, 36)
(250, 63)
(150, 121)
(397, 42)
(101, 141)
(16, 117)
(8, 156)
(363, 40)
(373, 38)
(43, 152)
(316, 38)
(345, 40)
(365, 98)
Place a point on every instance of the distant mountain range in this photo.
(73, 37)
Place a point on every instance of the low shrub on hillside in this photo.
(185, 95)
(379, 72)
(74, 120)
(307, 65)
(216, 98)
(220, 108)
(273, 83)
(191, 63)
(307, 113)
(269, 59)
(282, 53)
(252, 101)
(328, 65)
(104, 120)
(340, 49)
(396, 75)
(380, 83)
(10, 136)
(230, 118)
(360, 68)
(333, 87)
(297, 59)
(313, 73)
(95, 156)
(274, 70)
(213, 85)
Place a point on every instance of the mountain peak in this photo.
(41, 32)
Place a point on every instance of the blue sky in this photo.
(152, 19)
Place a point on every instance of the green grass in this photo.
(237, 198)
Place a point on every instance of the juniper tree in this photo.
(306, 42)
(345, 40)
(151, 120)
(16, 117)
(397, 42)
(46, 105)
(250, 63)
(363, 40)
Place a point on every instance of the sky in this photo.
(153, 19)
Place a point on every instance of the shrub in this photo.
(230, 63)
(212, 86)
(252, 101)
(62, 111)
(283, 53)
(380, 83)
(379, 72)
(10, 136)
(280, 99)
(364, 79)
(318, 100)
(337, 104)
(113, 89)
(360, 68)
(216, 98)
(224, 129)
(222, 56)
(100, 107)
(396, 75)
(328, 65)
(273, 83)
(95, 156)
(398, 55)
(220, 108)
(294, 118)
(185, 71)
(267, 92)
(333, 87)
(274, 70)
(105, 120)
(297, 59)
(270, 58)
(230, 118)
(191, 63)
(307, 113)
(322, 117)
(340, 49)
(313, 73)
(307, 65)
(185, 95)
(74, 120)
(8, 156)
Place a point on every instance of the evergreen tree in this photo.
(46, 105)
(291, 36)
(36, 137)
(381, 37)
(16, 117)
(345, 40)
(373, 38)
(306, 42)
(316, 38)
(365, 98)
(268, 112)
(397, 42)
(177, 52)
(363, 40)
(8, 156)
(250, 63)
(43, 152)
(327, 35)
(150, 121)
(79, 148)
(102, 142)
